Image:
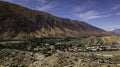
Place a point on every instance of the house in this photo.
(36, 49)
(58, 43)
(91, 48)
(47, 44)
(104, 55)
(51, 47)
(110, 47)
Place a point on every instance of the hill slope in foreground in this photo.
(20, 22)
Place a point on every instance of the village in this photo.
(69, 55)
(85, 48)
(66, 47)
(96, 48)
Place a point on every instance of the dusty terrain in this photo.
(12, 57)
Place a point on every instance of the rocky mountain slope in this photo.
(20, 22)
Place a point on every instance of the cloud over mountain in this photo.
(91, 15)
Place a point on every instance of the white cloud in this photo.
(79, 8)
(84, 12)
(47, 6)
(91, 15)
(42, 1)
(118, 13)
(110, 27)
(8, 0)
(116, 7)
(14, 1)
(83, 7)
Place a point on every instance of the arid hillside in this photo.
(20, 22)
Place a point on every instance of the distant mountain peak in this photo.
(116, 31)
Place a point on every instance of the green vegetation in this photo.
(43, 45)
(48, 46)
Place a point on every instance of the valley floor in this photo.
(61, 52)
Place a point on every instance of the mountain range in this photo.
(17, 21)
(116, 31)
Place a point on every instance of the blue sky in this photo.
(104, 14)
